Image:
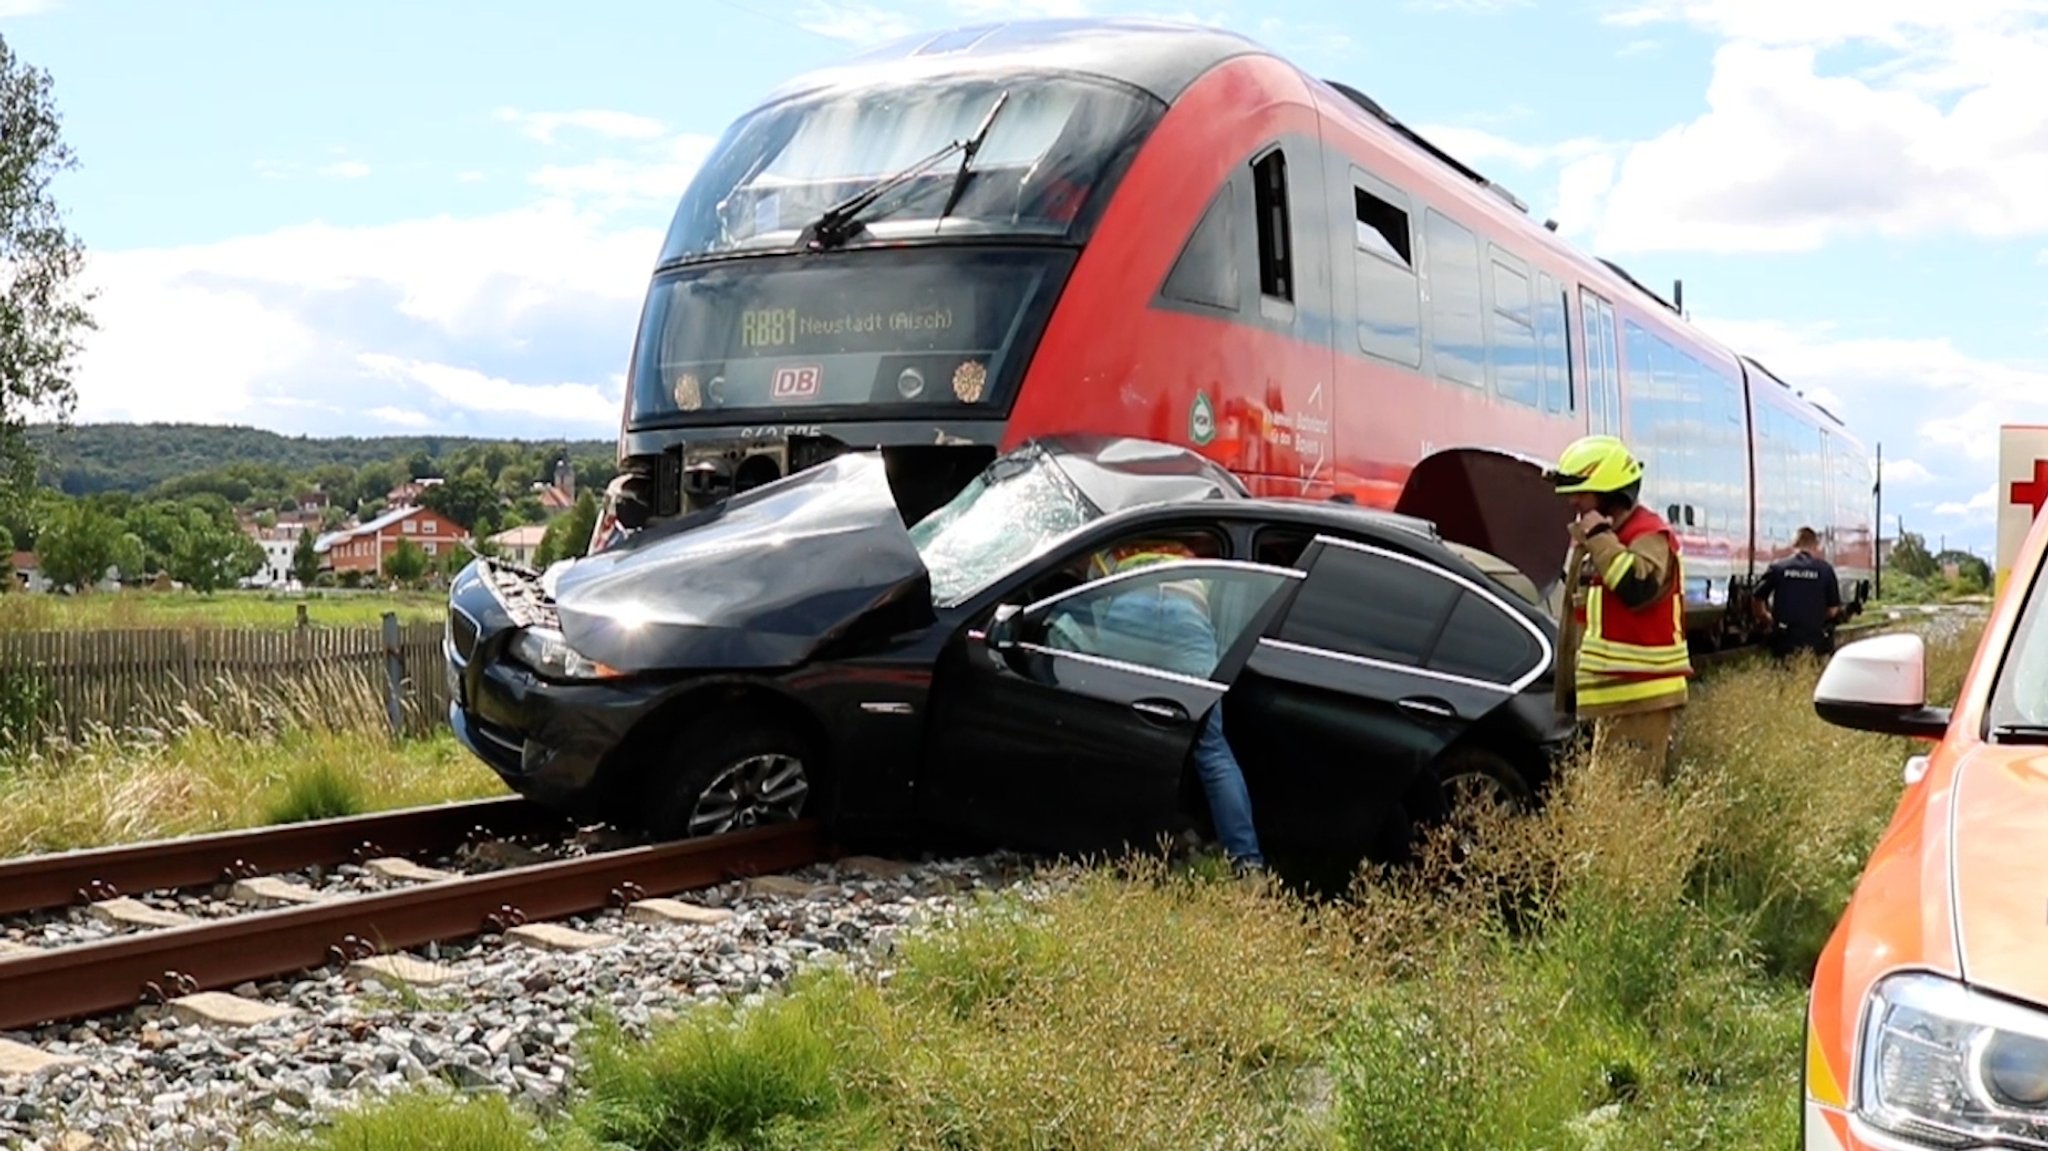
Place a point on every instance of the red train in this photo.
(958, 241)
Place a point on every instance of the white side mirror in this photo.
(1880, 685)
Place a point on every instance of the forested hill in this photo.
(89, 458)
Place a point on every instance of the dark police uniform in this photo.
(1800, 590)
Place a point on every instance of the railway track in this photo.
(181, 960)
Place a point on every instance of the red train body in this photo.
(1171, 233)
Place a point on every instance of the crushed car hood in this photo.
(764, 579)
(2000, 823)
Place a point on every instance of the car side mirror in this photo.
(1880, 685)
(1002, 630)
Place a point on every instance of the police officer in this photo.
(1633, 664)
(1800, 598)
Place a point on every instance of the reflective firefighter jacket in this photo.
(1632, 658)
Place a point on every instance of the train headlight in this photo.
(545, 651)
(970, 381)
(1943, 1065)
(910, 384)
(689, 392)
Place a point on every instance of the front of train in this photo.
(867, 260)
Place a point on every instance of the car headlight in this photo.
(545, 651)
(1946, 1066)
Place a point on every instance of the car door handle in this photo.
(1161, 710)
(1428, 706)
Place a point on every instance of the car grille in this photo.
(461, 633)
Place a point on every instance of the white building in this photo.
(518, 544)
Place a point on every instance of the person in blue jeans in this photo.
(1167, 626)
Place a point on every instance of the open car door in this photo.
(1380, 662)
(1066, 726)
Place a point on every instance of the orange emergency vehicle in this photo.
(1927, 1024)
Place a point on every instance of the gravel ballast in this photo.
(507, 1021)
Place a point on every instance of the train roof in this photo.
(1160, 57)
(1163, 58)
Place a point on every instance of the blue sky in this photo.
(368, 216)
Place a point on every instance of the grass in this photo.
(311, 746)
(134, 608)
(1626, 969)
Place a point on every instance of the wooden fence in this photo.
(74, 680)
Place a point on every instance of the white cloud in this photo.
(1906, 472)
(13, 8)
(854, 23)
(654, 174)
(420, 322)
(1023, 9)
(1978, 507)
(475, 391)
(599, 122)
(1946, 134)
(347, 170)
(1469, 6)
(403, 417)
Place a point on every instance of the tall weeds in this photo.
(1624, 969)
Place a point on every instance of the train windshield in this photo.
(1051, 151)
(931, 333)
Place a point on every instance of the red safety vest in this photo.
(1632, 655)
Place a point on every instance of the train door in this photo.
(1603, 364)
(1289, 240)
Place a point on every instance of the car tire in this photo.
(1477, 774)
(726, 776)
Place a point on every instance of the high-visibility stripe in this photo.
(1615, 671)
(1618, 570)
(1598, 693)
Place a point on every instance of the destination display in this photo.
(945, 327)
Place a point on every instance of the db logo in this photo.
(796, 383)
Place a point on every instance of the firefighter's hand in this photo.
(1584, 525)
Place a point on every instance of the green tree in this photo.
(129, 557)
(580, 523)
(42, 314)
(6, 559)
(406, 563)
(466, 498)
(1910, 557)
(210, 555)
(77, 545)
(306, 559)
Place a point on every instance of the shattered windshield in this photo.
(1011, 512)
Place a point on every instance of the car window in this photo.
(1207, 541)
(1480, 641)
(2021, 693)
(1172, 617)
(1370, 604)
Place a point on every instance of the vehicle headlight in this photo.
(1946, 1066)
(545, 651)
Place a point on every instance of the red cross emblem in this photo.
(2034, 492)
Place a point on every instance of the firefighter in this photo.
(1800, 599)
(1632, 665)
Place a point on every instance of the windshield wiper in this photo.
(2020, 733)
(841, 222)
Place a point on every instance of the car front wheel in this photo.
(741, 777)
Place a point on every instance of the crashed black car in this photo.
(795, 650)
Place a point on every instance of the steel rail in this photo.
(111, 975)
(36, 882)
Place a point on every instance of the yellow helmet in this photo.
(1596, 464)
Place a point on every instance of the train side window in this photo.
(1515, 367)
(1553, 344)
(1206, 272)
(1276, 240)
(1457, 325)
(1389, 303)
